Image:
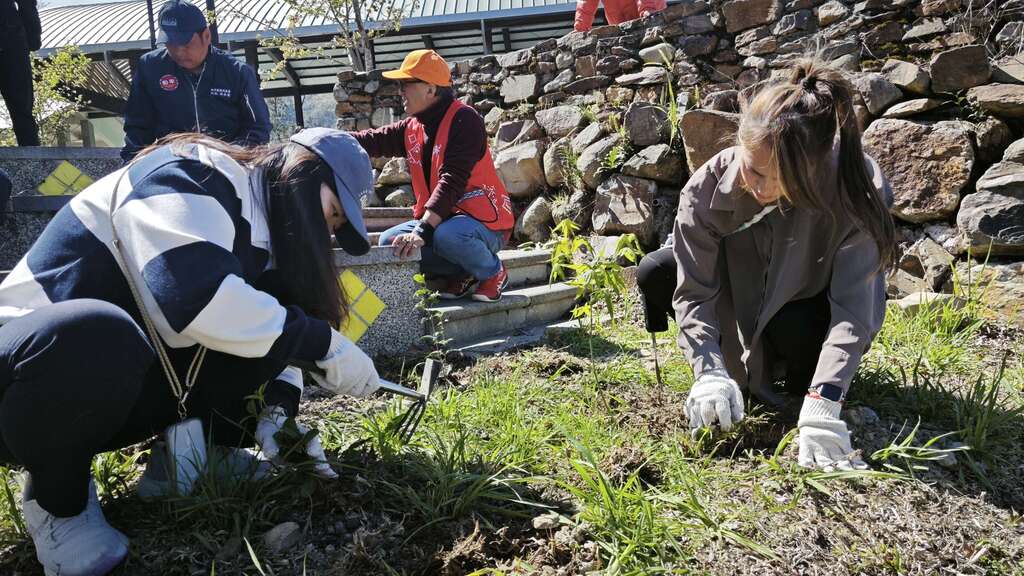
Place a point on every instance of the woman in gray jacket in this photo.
(779, 245)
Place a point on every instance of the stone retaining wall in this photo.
(605, 127)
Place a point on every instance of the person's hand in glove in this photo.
(714, 399)
(824, 439)
(347, 369)
(271, 422)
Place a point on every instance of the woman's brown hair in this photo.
(301, 245)
(798, 119)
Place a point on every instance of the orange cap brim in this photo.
(398, 75)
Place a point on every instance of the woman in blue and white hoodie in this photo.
(228, 250)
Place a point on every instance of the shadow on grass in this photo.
(586, 344)
(975, 411)
(417, 508)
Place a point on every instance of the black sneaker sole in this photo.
(450, 296)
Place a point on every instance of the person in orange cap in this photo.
(463, 215)
(615, 11)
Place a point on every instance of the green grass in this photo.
(580, 428)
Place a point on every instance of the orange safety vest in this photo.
(485, 197)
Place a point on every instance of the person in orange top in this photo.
(615, 11)
(463, 215)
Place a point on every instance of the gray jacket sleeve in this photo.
(696, 241)
(856, 298)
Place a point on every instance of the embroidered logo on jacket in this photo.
(222, 92)
(169, 82)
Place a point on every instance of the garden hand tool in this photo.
(657, 366)
(409, 421)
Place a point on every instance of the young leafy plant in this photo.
(435, 337)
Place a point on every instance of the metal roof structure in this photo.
(115, 34)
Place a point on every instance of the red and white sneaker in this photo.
(490, 289)
(457, 287)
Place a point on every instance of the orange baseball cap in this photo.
(425, 66)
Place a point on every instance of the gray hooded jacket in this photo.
(734, 275)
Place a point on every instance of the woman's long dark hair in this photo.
(798, 119)
(301, 243)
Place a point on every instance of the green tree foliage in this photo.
(56, 106)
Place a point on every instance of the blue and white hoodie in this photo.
(194, 232)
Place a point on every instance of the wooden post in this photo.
(152, 28)
(88, 133)
(211, 9)
(485, 31)
(300, 119)
(252, 58)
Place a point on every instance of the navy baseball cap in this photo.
(353, 179)
(179, 20)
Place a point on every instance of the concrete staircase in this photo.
(528, 301)
(378, 220)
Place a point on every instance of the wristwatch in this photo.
(424, 230)
(828, 392)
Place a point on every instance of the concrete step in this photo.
(522, 337)
(526, 267)
(467, 320)
(380, 219)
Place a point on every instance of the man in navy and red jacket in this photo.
(463, 215)
(191, 86)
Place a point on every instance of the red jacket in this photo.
(615, 11)
(484, 198)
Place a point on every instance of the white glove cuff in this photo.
(338, 343)
(712, 375)
(817, 410)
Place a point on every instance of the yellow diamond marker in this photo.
(364, 306)
(65, 180)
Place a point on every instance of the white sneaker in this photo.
(176, 462)
(82, 545)
(228, 464)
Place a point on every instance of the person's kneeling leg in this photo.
(70, 374)
(656, 278)
(796, 334)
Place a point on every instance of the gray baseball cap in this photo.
(353, 179)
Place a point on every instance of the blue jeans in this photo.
(462, 245)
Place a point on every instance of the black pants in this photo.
(794, 335)
(79, 377)
(16, 85)
(656, 277)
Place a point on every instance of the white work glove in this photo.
(271, 422)
(824, 438)
(348, 370)
(714, 399)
